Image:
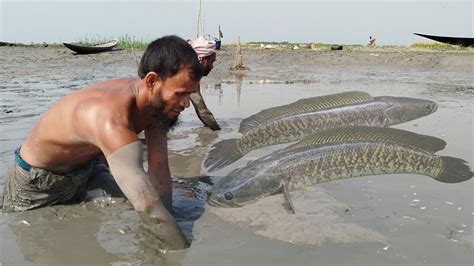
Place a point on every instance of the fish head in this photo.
(243, 186)
(403, 109)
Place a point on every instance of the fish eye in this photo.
(428, 106)
(228, 196)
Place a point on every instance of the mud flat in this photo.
(390, 219)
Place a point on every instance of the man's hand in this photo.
(203, 113)
(162, 224)
(142, 191)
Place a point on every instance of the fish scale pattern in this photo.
(295, 127)
(356, 159)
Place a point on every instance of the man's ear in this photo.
(152, 79)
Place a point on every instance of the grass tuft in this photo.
(124, 42)
(436, 46)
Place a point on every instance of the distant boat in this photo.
(99, 48)
(462, 41)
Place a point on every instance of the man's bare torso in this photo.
(66, 136)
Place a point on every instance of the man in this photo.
(56, 160)
(206, 51)
(371, 41)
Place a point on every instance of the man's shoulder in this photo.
(107, 87)
(101, 103)
(108, 93)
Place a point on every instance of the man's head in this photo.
(170, 71)
(206, 51)
(208, 63)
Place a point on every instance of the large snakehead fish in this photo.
(293, 122)
(335, 154)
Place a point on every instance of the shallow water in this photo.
(422, 221)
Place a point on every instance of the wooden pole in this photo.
(238, 62)
(200, 20)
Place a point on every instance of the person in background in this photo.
(371, 41)
(206, 51)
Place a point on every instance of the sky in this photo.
(392, 22)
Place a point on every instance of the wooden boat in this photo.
(99, 48)
(462, 41)
(336, 47)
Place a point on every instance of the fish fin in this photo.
(288, 203)
(302, 106)
(222, 154)
(455, 170)
(424, 143)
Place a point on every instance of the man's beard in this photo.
(206, 71)
(160, 119)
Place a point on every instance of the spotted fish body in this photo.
(356, 159)
(295, 121)
(337, 154)
(295, 127)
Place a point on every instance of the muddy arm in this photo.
(142, 190)
(159, 222)
(203, 112)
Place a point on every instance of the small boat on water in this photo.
(462, 41)
(99, 48)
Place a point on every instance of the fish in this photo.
(335, 154)
(293, 122)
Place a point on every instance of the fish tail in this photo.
(454, 170)
(222, 154)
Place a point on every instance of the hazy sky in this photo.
(345, 22)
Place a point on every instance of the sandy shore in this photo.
(263, 63)
(393, 219)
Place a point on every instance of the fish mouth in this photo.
(215, 203)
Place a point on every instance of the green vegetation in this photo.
(434, 46)
(87, 41)
(124, 42)
(131, 42)
(437, 46)
(318, 46)
(128, 42)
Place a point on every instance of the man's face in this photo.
(172, 97)
(208, 63)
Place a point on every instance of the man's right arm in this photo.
(126, 165)
(124, 154)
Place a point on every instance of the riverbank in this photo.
(390, 219)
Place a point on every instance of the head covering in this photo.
(203, 46)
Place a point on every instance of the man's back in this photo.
(67, 134)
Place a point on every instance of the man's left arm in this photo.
(203, 113)
(158, 167)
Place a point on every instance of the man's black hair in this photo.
(167, 55)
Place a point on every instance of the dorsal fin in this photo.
(424, 143)
(304, 105)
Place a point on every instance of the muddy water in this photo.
(421, 221)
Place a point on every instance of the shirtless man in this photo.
(56, 160)
(206, 51)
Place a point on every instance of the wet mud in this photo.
(389, 219)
